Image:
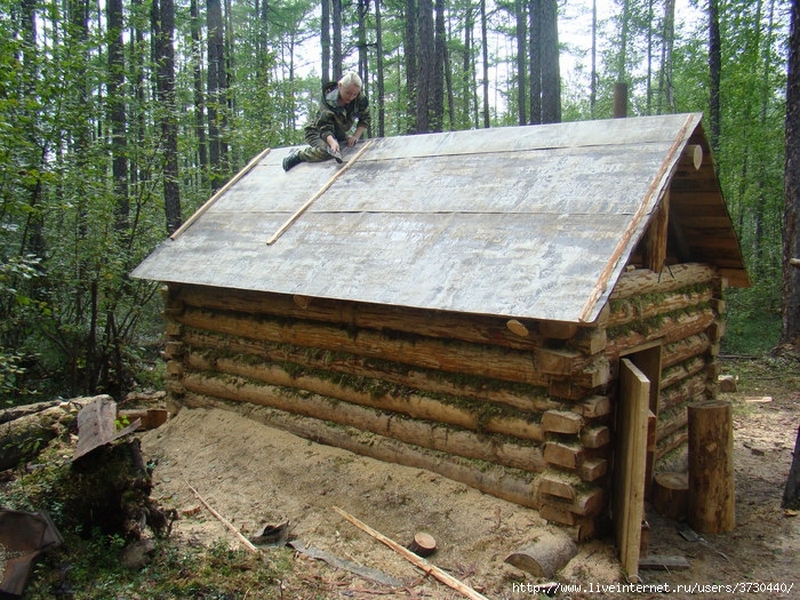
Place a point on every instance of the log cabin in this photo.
(528, 310)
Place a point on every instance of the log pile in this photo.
(518, 408)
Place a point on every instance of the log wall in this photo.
(519, 409)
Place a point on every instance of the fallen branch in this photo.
(245, 542)
(418, 561)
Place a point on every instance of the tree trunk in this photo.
(363, 54)
(199, 97)
(715, 71)
(593, 83)
(426, 75)
(116, 109)
(214, 23)
(165, 59)
(551, 73)
(790, 333)
(666, 102)
(381, 103)
(535, 75)
(411, 44)
(325, 39)
(336, 6)
(485, 48)
(437, 76)
(522, 47)
(622, 57)
(470, 92)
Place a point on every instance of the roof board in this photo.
(528, 222)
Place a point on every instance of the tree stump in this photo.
(423, 544)
(711, 498)
(670, 495)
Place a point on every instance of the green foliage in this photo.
(753, 327)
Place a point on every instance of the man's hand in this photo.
(333, 143)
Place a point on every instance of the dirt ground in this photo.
(255, 475)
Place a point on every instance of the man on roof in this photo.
(343, 105)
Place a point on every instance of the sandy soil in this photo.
(255, 475)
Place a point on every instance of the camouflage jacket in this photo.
(332, 119)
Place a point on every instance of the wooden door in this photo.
(630, 465)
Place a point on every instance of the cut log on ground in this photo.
(423, 544)
(545, 556)
(711, 502)
(27, 430)
(670, 495)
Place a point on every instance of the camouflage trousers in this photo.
(317, 149)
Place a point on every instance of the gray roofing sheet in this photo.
(534, 222)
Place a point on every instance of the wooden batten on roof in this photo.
(464, 302)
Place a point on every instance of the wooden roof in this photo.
(533, 222)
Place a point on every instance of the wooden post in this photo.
(711, 481)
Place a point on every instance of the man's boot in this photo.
(292, 160)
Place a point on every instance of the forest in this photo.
(118, 119)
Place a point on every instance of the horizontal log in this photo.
(562, 485)
(671, 422)
(677, 373)
(593, 469)
(637, 308)
(572, 363)
(559, 421)
(502, 482)
(439, 437)
(15, 412)
(685, 348)
(596, 437)
(669, 328)
(671, 443)
(438, 324)
(456, 357)
(28, 432)
(644, 281)
(594, 407)
(567, 456)
(473, 416)
(697, 387)
(587, 503)
(581, 385)
(520, 397)
(557, 513)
